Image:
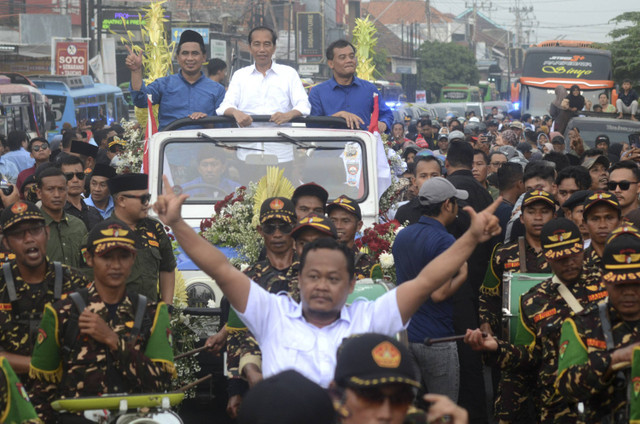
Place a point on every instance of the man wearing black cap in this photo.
(86, 152)
(66, 232)
(599, 360)
(188, 93)
(29, 281)
(72, 168)
(345, 214)
(155, 259)
(309, 198)
(601, 216)
(305, 335)
(102, 339)
(277, 273)
(100, 197)
(543, 309)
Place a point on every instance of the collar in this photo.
(430, 221)
(466, 172)
(334, 84)
(48, 219)
(297, 314)
(273, 68)
(191, 83)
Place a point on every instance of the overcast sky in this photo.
(568, 19)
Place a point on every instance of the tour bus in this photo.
(22, 106)
(77, 99)
(390, 92)
(563, 62)
(460, 93)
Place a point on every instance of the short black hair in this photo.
(559, 159)
(597, 107)
(331, 244)
(68, 137)
(593, 152)
(484, 155)
(15, 138)
(435, 209)
(425, 122)
(274, 36)
(539, 170)
(51, 171)
(34, 139)
(70, 160)
(100, 135)
(580, 175)
(338, 44)
(216, 65)
(509, 174)
(626, 164)
(397, 123)
(497, 152)
(626, 80)
(460, 154)
(423, 158)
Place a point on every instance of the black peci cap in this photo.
(126, 182)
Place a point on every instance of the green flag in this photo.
(571, 350)
(634, 398)
(46, 362)
(15, 407)
(159, 347)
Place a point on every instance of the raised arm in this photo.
(414, 293)
(233, 283)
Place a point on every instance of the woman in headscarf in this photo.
(559, 110)
(576, 101)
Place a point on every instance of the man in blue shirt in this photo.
(413, 248)
(189, 93)
(345, 95)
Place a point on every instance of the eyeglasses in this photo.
(400, 396)
(624, 185)
(78, 175)
(271, 227)
(33, 231)
(144, 198)
(39, 147)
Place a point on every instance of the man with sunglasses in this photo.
(66, 232)
(28, 282)
(73, 171)
(39, 150)
(624, 182)
(155, 260)
(277, 273)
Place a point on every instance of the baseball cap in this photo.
(602, 138)
(576, 199)
(436, 190)
(516, 124)
(535, 196)
(560, 238)
(443, 136)
(346, 203)
(591, 161)
(316, 222)
(621, 256)
(605, 197)
(369, 360)
(108, 235)
(18, 212)
(115, 140)
(524, 147)
(558, 140)
(311, 189)
(287, 398)
(277, 208)
(456, 135)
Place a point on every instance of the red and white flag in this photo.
(152, 128)
(384, 170)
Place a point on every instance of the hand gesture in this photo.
(353, 120)
(444, 410)
(169, 204)
(484, 224)
(92, 325)
(10, 199)
(133, 60)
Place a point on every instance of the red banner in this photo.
(71, 58)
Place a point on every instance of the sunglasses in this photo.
(78, 175)
(39, 147)
(144, 198)
(624, 185)
(33, 231)
(401, 396)
(271, 227)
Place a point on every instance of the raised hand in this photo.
(169, 204)
(133, 60)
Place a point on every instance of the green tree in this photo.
(440, 64)
(381, 62)
(625, 47)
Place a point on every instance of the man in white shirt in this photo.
(264, 88)
(305, 336)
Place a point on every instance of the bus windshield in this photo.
(22, 109)
(537, 101)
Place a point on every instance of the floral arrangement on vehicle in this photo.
(377, 242)
(130, 159)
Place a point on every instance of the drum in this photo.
(368, 289)
(514, 285)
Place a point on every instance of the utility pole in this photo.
(428, 10)
(522, 15)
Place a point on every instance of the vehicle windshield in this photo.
(536, 101)
(618, 132)
(210, 169)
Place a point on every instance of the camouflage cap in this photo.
(621, 256)
(18, 212)
(369, 360)
(277, 208)
(346, 203)
(560, 238)
(600, 197)
(316, 222)
(108, 235)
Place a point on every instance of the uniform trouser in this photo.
(622, 108)
(439, 368)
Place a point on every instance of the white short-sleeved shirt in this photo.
(279, 90)
(288, 341)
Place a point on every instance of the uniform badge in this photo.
(276, 204)
(22, 391)
(19, 207)
(386, 355)
(636, 386)
(563, 348)
(560, 235)
(42, 336)
(128, 324)
(169, 337)
(627, 257)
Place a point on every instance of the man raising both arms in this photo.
(306, 335)
(264, 88)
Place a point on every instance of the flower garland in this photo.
(377, 241)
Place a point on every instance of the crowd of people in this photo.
(88, 278)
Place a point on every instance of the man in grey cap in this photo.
(456, 136)
(413, 248)
(443, 144)
(597, 164)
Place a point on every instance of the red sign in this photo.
(71, 58)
